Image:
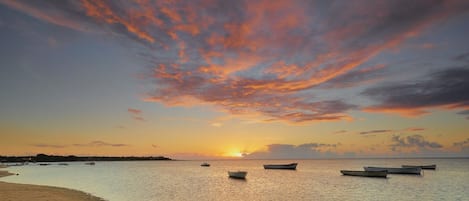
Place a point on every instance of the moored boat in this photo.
(425, 167)
(391, 170)
(382, 174)
(237, 174)
(291, 166)
(205, 165)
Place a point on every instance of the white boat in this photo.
(237, 174)
(382, 174)
(205, 165)
(391, 170)
(291, 166)
(89, 163)
(425, 167)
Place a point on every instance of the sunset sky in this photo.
(235, 79)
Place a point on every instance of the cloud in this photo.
(413, 141)
(261, 59)
(375, 132)
(289, 151)
(464, 113)
(464, 143)
(340, 131)
(385, 131)
(445, 89)
(98, 143)
(49, 145)
(136, 114)
(414, 129)
(134, 111)
(356, 78)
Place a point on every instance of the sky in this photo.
(209, 79)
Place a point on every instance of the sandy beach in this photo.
(26, 192)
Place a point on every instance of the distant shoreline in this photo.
(71, 158)
(17, 192)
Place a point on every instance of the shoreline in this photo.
(21, 192)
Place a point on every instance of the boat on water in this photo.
(205, 165)
(381, 174)
(63, 164)
(237, 174)
(291, 166)
(90, 163)
(391, 170)
(44, 164)
(425, 167)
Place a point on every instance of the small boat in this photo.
(89, 163)
(391, 170)
(63, 164)
(205, 165)
(382, 174)
(237, 174)
(425, 167)
(291, 166)
(44, 164)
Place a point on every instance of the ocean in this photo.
(313, 180)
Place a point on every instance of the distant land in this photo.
(53, 158)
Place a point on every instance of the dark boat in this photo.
(425, 167)
(205, 165)
(237, 174)
(382, 174)
(391, 170)
(291, 166)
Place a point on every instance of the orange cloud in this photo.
(101, 11)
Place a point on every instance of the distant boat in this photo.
(425, 167)
(89, 163)
(237, 174)
(382, 174)
(43, 164)
(291, 166)
(63, 163)
(409, 170)
(205, 165)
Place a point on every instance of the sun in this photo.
(235, 154)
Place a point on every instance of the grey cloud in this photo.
(444, 87)
(413, 141)
(289, 151)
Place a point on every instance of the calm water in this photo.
(313, 180)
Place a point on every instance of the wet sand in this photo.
(27, 192)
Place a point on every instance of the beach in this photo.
(26, 192)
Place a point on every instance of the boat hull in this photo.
(425, 167)
(380, 174)
(291, 166)
(237, 175)
(410, 170)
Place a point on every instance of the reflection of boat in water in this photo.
(89, 163)
(237, 174)
(291, 166)
(409, 170)
(382, 174)
(205, 165)
(425, 167)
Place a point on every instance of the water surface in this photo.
(313, 180)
